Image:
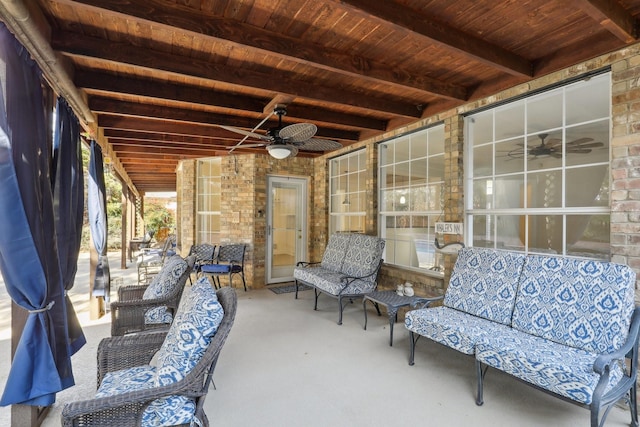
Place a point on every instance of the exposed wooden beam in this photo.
(275, 81)
(471, 47)
(164, 138)
(288, 48)
(103, 83)
(612, 16)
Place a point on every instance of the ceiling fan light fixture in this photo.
(279, 151)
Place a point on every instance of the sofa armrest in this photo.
(116, 353)
(306, 264)
(629, 349)
(133, 292)
(426, 302)
(346, 280)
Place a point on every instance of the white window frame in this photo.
(419, 155)
(347, 192)
(207, 186)
(496, 211)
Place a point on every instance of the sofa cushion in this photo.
(162, 286)
(196, 322)
(585, 304)
(166, 411)
(324, 279)
(564, 370)
(363, 256)
(456, 329)
(125, 380)
(484, 283)
(335, 251)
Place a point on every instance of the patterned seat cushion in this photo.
(584, 304)
(196, 322)
(363, 256)
(322, 278)
(166, 411)
(484, 283)
(456, 329)
(564, 370)
(335, 251)
(162, 286)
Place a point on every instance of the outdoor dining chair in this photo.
(203, 253)
(228, 262)
(150, 260)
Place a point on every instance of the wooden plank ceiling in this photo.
(161, 75)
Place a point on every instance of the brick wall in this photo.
(245, 185)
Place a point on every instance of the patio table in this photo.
(392, 301)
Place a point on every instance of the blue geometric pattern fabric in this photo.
(347, 254)
(564, 370)
(163, 285)
(196, 322)
(362, 257)
(451, 327)
(580, 303)
(484, 283)
(166, 411)
(335, 251)
(130, 379)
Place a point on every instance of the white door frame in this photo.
(301, 185)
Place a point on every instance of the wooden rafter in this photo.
(612, 16)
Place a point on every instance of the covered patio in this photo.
(188, 95)
(286, 365)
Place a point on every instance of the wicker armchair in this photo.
(117, 353)
(141, 308)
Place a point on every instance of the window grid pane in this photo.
(411, 197)
(347, 193)
(541, 184)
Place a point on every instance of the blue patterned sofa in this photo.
(564, 325)
(349, 268)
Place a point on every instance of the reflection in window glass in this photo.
(528, 178)
(411, 198)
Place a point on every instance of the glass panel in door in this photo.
(286, 236)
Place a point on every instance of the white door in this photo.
(286, 226)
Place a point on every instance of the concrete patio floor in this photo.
(285, 364)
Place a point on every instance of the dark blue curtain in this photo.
(67, 181)
(97, 207)
(29, 262)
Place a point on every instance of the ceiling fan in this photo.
(553, 148)
(282, 142)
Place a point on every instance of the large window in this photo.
(411, 182)
(208, 192)
(347, 193)
(538, 172)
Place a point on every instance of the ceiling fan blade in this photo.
(579, 141)
(591, 145)
(317, 144)
(298, 132)
(251, 145)
(246, 133)
(578, 150)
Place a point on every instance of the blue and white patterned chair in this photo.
(146, 307)
(132, 391)
(349, 268)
